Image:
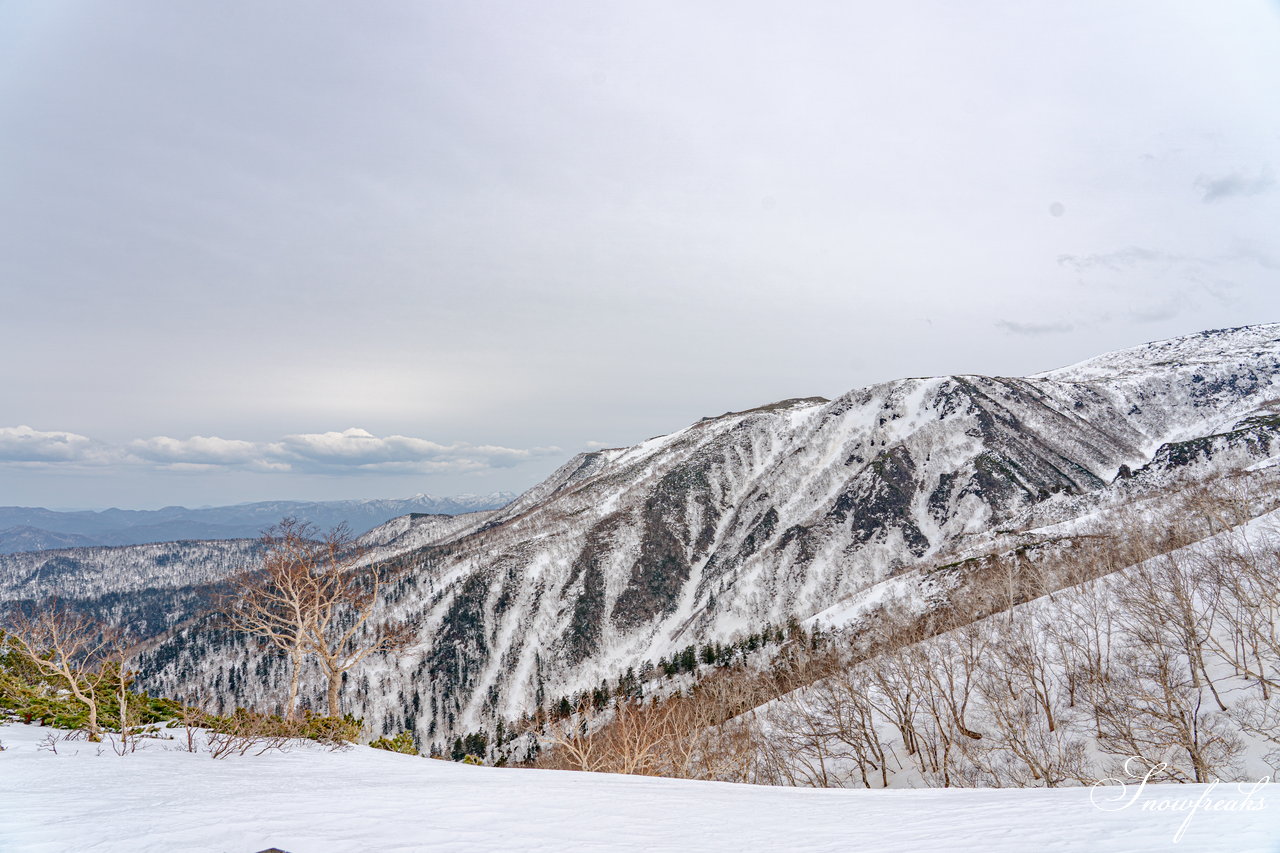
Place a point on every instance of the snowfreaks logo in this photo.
(1116, 795)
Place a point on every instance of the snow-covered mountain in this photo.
(773, 513)
(35, 528)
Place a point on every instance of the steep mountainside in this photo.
(759, 516)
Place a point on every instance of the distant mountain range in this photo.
(37, 529)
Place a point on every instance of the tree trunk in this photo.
(95, 733)
(335, 682)
(291, 706)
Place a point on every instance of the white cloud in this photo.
(198, 449)
(352, 450)
(357, 447)
(24, 444)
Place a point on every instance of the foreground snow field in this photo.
(309, 801)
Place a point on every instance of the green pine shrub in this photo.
(402, 742)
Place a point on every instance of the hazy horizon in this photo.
(105, 508)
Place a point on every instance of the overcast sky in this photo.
(323, 250)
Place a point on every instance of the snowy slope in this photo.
(410, 532)
(1051, 618)
(310, 801)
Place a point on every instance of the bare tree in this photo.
(1029, 729)
(1159, 701)
(69, 648)
(341, 630)
(313, 597)
(1242, 575)
(629, 742)
(897, 687)
(841, 713)
(275, 602)
(1152, 708)
(121, 680)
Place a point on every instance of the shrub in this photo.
(402, 742)
(243, 732)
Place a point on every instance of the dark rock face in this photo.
(583, 635)
(463, 639)
(1253, 438)
(677, 526)
(759, 533)
(879, 501)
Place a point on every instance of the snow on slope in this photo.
(1244, 346)
(1235, 695)
(410, 532)
(1151, 495)
(311, 801)
(1175, 386)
